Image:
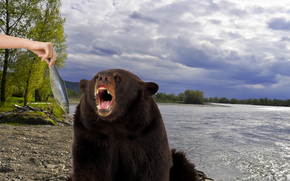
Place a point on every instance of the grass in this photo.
(27, 118)
(9, 104)
(57, 111)
(52, 107)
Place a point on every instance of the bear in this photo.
(119, 134)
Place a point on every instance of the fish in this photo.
(59, 89)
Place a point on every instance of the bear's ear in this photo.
(83, 85)
(150, 88)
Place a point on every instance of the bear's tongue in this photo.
(105, 105)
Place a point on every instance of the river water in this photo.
(237, 142)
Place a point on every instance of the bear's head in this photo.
(111, 93)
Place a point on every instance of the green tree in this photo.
(215, 99)
(27, 73)
(243, 101)
(181, 97)
(171, 97)
(194, 97)
(287, 102)
(266, 100)
(224, 100)
(261, 101)
(234, 101)
(73, 94)
(211, 99)
(161, 96)
(48, 27)
(250, 101)
(44, 91)
(15, 20)
(255, 101)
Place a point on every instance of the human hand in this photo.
(43, 50)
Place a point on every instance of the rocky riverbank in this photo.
(37, 150)
(30, 153)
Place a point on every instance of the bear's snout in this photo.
(104, 94)
(103, 79)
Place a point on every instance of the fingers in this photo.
(49, 53)
(52, 60)
(44, 50)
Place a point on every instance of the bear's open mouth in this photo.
(105, 99)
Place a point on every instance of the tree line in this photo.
(197, 97)
(188, 97)
(22, 72)
(73, 94)
(261, 101)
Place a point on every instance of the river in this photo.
(236, 142)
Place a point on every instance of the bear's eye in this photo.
(118, 78)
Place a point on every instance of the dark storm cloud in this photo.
(137, 15)
(285, 38)
(106, 47)
(184, 52)
(220, 47)
(252, 77)
(194, 57)
(279, 24)
(281, 67)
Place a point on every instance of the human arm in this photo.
(42, 49)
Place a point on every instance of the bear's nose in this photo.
(103, 78)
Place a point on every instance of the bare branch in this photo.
(25, 26)
(18, 20)
(2, 30)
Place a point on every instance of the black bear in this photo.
(119, 134)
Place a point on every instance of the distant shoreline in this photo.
(195, 105)
(206, 104)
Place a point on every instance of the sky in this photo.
(235, 49)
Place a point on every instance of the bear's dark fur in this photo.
(182, 169)
(119, 133)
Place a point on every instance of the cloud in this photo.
(284, 38)
(105, 47)
(136, 15)
(258, 10)
(238, 12)
(222, 47)
(279, 24)
(216, 22)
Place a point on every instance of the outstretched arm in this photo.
(42, 49)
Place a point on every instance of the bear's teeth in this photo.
(99, 107)
(107, 107)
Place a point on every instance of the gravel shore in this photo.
(42, 153)
(35, 152)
